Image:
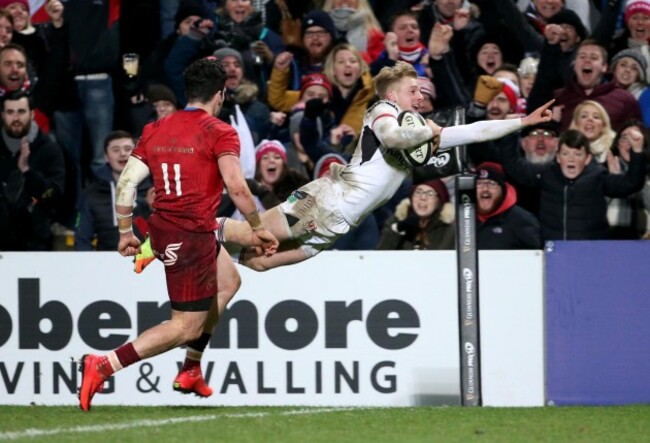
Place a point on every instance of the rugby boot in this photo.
(190, 381)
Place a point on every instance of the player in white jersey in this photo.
(317, 214)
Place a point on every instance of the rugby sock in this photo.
(125, 355)
(195, 350)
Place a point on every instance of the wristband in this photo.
(124, 223)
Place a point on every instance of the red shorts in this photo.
(190, 260)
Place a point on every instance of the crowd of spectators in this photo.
(80, 79)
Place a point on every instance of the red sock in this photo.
(127, 355)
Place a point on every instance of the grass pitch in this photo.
(292, 424)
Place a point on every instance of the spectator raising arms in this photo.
(573, 202)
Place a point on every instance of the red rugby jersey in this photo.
(181, 151)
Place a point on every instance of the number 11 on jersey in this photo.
(177, 178)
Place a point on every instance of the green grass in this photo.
(287, 425)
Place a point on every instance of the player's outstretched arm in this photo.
(540, 115)
(241, 195)
(486, 130)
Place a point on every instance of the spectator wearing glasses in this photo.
(423, 221)
(538, 147)
(502, 224)
(573, 204)
(318, 37)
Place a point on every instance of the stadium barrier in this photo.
(598, 334)
(346, 328)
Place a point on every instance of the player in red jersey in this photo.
(190, 155)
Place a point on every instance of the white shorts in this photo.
(313, 215)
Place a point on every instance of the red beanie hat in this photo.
(511, 91)
(438, 186)
(5, 3)
(316, 79)
(267, 146)
(635, 7)
(322, 166)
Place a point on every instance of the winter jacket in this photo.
(509, 226)
(28, 200)
(619, 104)
(438, 234)
(281, 99)
(97, 217)
(575, 209)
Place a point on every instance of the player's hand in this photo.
(266, 241)
(435, 141)
(129, 245)
(540, 115)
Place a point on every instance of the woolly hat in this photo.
(323, 164)
(158, 92)
(267, 146)
(5, 3)
(568, 17)
(187, 8)
(316, 79)
(635, 7)
(318, 18)
(635, 55)
(511, 90)
(222, 53)
(492, 171)
(490, 37)
(427, 87)
(528, 66)
(438, 185)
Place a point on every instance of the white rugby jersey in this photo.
(377, 169)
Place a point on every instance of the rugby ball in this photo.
(417, 155)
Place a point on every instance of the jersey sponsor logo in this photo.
(440, 160)
(170, 253)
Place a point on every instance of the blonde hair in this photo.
(328, 69)
(388, 76)
(369, 19)
(604, 142)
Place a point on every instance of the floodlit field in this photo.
(358, 425)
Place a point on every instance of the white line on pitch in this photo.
(29, 433)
